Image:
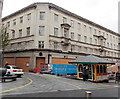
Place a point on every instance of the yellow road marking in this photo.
(20, 86)
(80, 87)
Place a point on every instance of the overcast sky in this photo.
(102, 12)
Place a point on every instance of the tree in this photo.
(4, 41)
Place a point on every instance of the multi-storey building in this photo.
(45, 33)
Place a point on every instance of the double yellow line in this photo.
(30, 82)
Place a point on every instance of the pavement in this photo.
(46, 85)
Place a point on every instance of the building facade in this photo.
(44, 33)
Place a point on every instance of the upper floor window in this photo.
(40, 44)
(90, 40)
(27, 44)
(72, 23)
(42, 15)
(107, 44)
(72, 35)
(85, 27)
(79, 37)
(99, 32)
(72, 48)
(28, 31)
(85, 39)
(64, 20)
(14, 22)
(29, 16)
(20, 33)
(90, 30)
(13, 34)
(66, 31)
(79, 26)
(107, 36)
(95, 31)
(21, 19)
(41, 30)
(19, 45)
(55, 31)
(8, 24)
(55, 17)
(96, 41)
(55, 45)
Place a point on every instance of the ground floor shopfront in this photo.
(30, 59)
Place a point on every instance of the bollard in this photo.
(88, 94)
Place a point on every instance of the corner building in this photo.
(44, 33)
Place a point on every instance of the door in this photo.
(22, 63)
(40, 61)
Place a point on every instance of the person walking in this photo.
(84, 74)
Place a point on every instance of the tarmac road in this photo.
(43, 85)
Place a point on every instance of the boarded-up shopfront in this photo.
(60, 60)
(22, 62)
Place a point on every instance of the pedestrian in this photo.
(84, 74)
(6, 64)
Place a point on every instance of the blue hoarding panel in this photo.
(63, 69)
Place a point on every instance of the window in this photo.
(28, 31)
(64, 20)
(72, 35)
(104, 44)
(42, 15)
(90, 40)
(21, 19)
(85, 39)
(72, 48)
(111, 45)
(19, 45)
(29, 16)
(95, 31)
(107, 36)
(8, 67)
(90, 30)
(55, 31)
(20, 33)
(27, 44)
(55, 45)
(103, 34)
(72, 23)
(79, 37)
(40, 44)
(99, 33)
(8, 24)
(96, 41)
(14, 22)
(65, 32)
(107, 44)
(55, 17)
(79, 26)
(41, 30)
(13, 34)
(85, 28)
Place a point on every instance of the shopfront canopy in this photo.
(91, 59)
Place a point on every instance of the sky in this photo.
(102, 12)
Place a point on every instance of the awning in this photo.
(91, 59)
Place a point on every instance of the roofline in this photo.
(51, 5)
